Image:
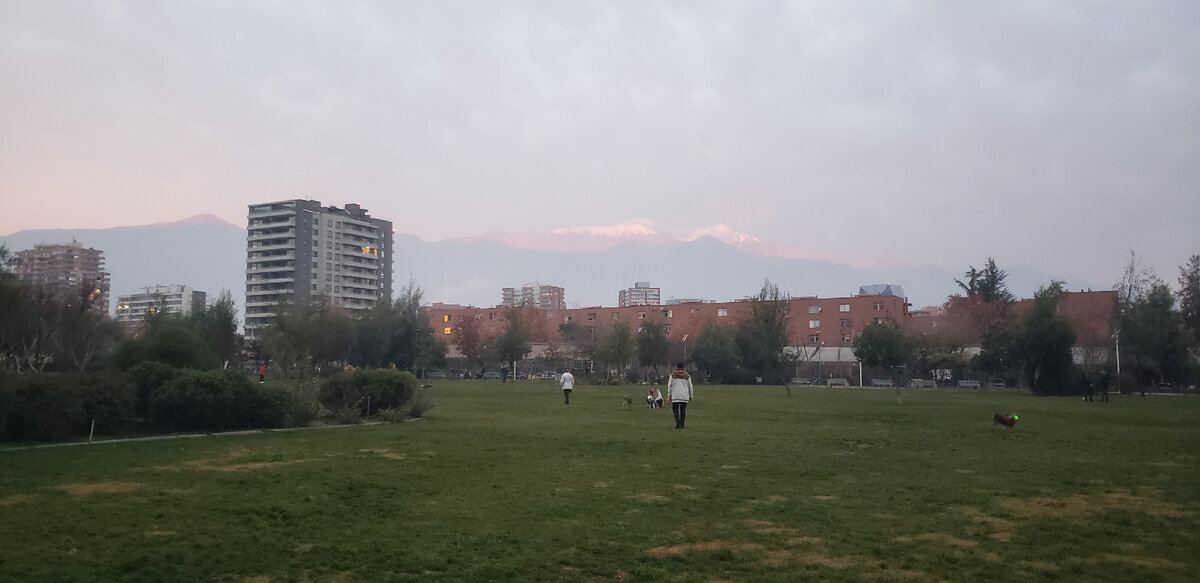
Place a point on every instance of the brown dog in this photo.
(1005, 420)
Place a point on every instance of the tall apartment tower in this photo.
(542, 297)
(298, 251)
(641, 294)
(70, 269)
(170, 299)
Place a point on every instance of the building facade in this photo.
(299, 252)
(536, 295)
(817, 323)
(70, 269)
(641, 294)
(169, 299)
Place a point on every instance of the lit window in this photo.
(814, 323)
(843, 307)
(447, 330)
(446, 317)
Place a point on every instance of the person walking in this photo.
(262, 373)
(679, 391)
(567, 381)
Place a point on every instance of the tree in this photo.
(715, 351)
(1000, 353)
(882, 345)
(512, 345)
(581, 339)
(1046, 342)
(468, 339)
(617, 346)
(1151, 333)
(652, 345)
(762, 337)
(987, 283)
(218, 324)
(1189, 298)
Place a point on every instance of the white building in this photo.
(169, 299)
(641, 294)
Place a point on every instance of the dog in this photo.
(1005, 420)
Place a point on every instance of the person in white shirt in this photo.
(567, 382)
(679, 391)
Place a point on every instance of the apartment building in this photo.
(70, 269)
(169, 299)
(536, 295)
(641, 294)
(299, 251)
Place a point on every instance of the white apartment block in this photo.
(641, 294)
(298, 252)
(534, 294)
(168, 299)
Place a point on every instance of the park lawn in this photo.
(501, 481)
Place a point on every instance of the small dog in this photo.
(1005, 420)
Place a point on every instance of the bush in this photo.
(61, 406)
(213, 401)
(298, 402)
(148, 377)
(382, 388)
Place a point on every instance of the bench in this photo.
(974, 384)
(922, 384)
(800, 381)
(882, 383)
(835, 382)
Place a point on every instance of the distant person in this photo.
(567, 382)
(679, 391)
(504, 375)
(262, 373)
(1087, 387)
(658, 398)
(1104, 379)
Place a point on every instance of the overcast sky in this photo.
(1052, 135)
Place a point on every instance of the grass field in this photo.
(504, 482)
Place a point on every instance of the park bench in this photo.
(836, 382)
(800, 381)
(882, 382)
(922, 384)
(974, 384)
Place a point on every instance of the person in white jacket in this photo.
(567, 380)
(679, 391)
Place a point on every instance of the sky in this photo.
(1056, 136)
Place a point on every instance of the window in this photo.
(316, 233)
(641, 315)
(445, 317)
(844, 322)
(814, 339)
(328, 277)
(877, 306)
(845, 338)
(447, 330)
(492, 316)
(615, 314)
(814, 323)
(721, 312)
(843, 307)
(566, 318)
(669, 313)
(316, 253)
(591, 315)
(328, 288)
(329, 254)
(667, 329)
(328, 266)
(878, 320)
(814, 309)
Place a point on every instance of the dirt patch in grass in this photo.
(998, 528)
(939, 538)
(14, 499)
(384, 453)
(705, 546)
(101, 488)
(824, 497)
(160, 533)
(683, 487)
(227, 466)
(303, 547)
(650, 498)
(1149, 501)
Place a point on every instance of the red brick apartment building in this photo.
(1089, 312)
(813, 321)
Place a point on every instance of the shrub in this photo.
(61, 406)
(419, 404)
(214, 400)
(382, 388)
(148, 377)
(298, 402)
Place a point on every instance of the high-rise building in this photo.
(169, 299)
(70, 269)
(298, 251)
(641, 294)
(534, 294)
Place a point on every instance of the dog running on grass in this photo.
(1005, 420)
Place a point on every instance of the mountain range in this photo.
(208, 253)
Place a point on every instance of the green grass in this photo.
(504, 482)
